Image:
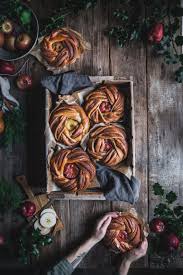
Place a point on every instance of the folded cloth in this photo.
(8, 102)
(66, 83)
(116, 186)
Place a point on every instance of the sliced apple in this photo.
(43, 230)
(48, 220)
(48, 210)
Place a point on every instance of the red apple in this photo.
(157, 225)
(2, 240)
(24, 81)
(172, 241)
(9, 43)
(105, 107)
(23, 41)
(1, 39)
(28, 209)
(156, 34)
(7, 26)
(71, 171)
(108, 145)
(6, 67)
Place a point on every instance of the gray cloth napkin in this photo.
(66, 83)
(116, 186)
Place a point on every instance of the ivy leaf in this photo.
(162, 210)
(179, 40)
(171, 197)
(158, 189)
(178, 210)
(179, 74)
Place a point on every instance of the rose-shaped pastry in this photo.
(124, 232)
(69, 124)
(62, 47)
(105, 104)
(108, 144)
(72, 170)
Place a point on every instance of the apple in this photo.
(7, 67)
(2, 240)
(172, 241)
(7, 26)
(9, 43)
(157, 225)
(1, 39)
(156, 34)
(105, 107)
(71, 171)
(28, 209)
(108, 145)
(23, 41)
(24, 81)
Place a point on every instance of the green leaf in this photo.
(10, 196)
(179, 40)
(14, 127)
(158, 189)
(171, 197)
(179, 74)
(162, 210)
(180, 57)
(178, 210)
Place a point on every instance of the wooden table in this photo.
(158, 123)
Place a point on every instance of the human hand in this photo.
(102, 225)
(137, 253)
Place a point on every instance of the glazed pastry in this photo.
(108, 144)
(105, 104)
(62, 47)
(124, 233)
(72, 170)
(69, 124)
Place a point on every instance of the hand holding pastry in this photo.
(124, 233)
(102, 225)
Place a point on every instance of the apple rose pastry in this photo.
(62, 47)
(72, 170)
(108, 144)
(105, 104)
(124, 232)
(69, 124)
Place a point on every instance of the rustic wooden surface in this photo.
(158, 122)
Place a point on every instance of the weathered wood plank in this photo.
(131, 61)
(165, 128)
(96, 61)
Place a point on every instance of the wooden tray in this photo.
(127, 166)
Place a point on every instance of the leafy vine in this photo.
(158, 23)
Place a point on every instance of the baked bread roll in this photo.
(69, 124)
(105, 104)
(108, 144)
(72, 170)
(62, 47)
(124, 233)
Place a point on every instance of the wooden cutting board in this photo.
(41, 201)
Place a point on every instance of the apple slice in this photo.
(43, 230)
(48, 210)
(48, 220)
